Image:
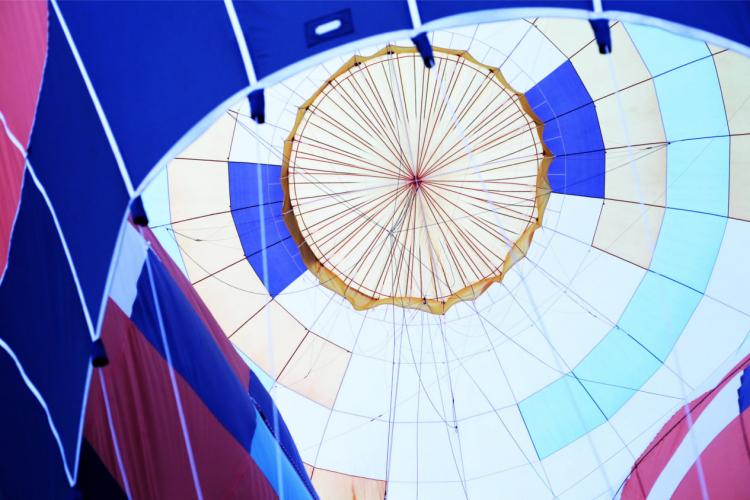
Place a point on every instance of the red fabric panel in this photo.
(234, 359)
(96, 429)
(148, 426)
(23, 37)
(726, 466)
(650, 464)
(23, 46)
(11, 174)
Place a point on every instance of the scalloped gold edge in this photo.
(361, 301)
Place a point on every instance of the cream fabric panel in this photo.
(233, 295)
(214, 144)
(596, 70)
(316, 370)
(629, 231)
(628, 112)
(569, 35)
(333, 485)
(734, 75)
(252, 338)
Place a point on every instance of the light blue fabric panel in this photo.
(687, 248)
(559, 414)
(265, 450)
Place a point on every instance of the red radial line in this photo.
(407, 218)
(319, 115)
(442, 106)
(466, 236)
(375, 134)
(462, 184)
(489, 228)
(352, 212)
(396, 112)
(383, 115)
(433, 100)
(334, 218)
(352, 101)
(353, 231)
(432, 257)
(499, 160)
(486, 201)
(457, 146)
(388, 265)
(382, 231)
(334, 149)
(446, 240)
(418, 99)
(468, 136)
(317, 112)
(472, 241)
(457, 263)
(504, 194)
(315, 171)
(476, 150)
(460, 113)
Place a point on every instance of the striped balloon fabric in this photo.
(703, 451)
(484, 310)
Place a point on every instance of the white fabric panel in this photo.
(330, 316)
(306, 420)
(128, 269)
(584, 456)
(366, 388)
(578, 216)
(713, 332)
(732, 269)
(356, 445)
(717, 415)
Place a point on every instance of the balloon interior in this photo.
(375, 250)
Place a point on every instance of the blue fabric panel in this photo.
(697, 170)
(283, 258)
(430, 10)
(743, 393)
(196, 356)
(94, 479)
(687, 248)
(265, 407)
(157, 67)
(571, 131)
(559, 414)
(42, 318)
(72, 158)
(728, 19)
(194, 352)
(618, 366)
(289, 484)
(275, 31)
(30, 465)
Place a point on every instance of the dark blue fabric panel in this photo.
(30, 462)
(43, 322)
(275, 31)
(730, 19)
(430, 10)
(195, 355)
(284, 260)
(71, 156)
(571, 131)
(158, 67)
(744, 391)
(94, 479)
(265, 406)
